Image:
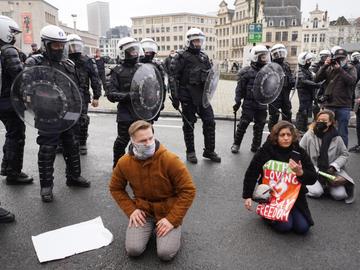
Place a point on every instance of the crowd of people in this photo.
(295, 161)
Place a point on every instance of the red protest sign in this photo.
(285, 190)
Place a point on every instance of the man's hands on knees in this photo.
(137, 218)
(163, 227)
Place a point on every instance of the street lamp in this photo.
(74, 16)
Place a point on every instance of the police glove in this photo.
(236, 106)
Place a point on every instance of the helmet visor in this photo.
(279, 53)
(149, 46)
(132, 51)
(197, 41)
(75, 46)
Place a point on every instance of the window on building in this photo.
(315, 23)
(157, 39)
(147, 30)
(285, 36)
(181, 28)
(322, 37)
(140, 31)
(167, 38)
(163, 47)
(157, 30)
(162, 29)
(135, 31)
(181, 38)
(293, 51)
(282, 23)
(270, 23)
(181, 46)
(268, 36)
(306, 38)
(277, 36)
(293, 22)
(168, 47)
(175, 38)
(314, 38)
(175, 28)
(162, 38)
(175, 47)
(294, 36)
(202, 20)
(167, 29)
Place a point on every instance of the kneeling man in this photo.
(163, 192)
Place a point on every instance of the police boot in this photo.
(14, 165)
(59, 149)
(301, 121)
(73, 167)
(209, 141)
(189, 142)
(6, 216)
(119, 149)
(239, 135)
(273, 119)
(3, 166)
(46, 157)
(83, 135)
(257, 136)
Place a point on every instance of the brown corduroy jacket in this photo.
(162, 186)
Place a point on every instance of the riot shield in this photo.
(147, 92)
(210, 86)
(268, 83)
(46, 98)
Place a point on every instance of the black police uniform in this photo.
(49, 141)
(13, 148)
(189, 70)
(252, 111)
(118, 90)
(86, 70)
(283, 101)
(306, 88)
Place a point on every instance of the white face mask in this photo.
(142, 151)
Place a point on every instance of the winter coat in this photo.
(267, 152)
(357, 96)
(337, 153)
(339, 85)
(162, 185)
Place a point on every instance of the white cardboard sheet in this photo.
(70, 240)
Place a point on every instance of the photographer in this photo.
(340, 78)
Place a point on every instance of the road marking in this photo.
(167, 126)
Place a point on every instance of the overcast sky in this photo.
(122, 10)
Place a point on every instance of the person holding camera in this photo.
(328, 154)
(340, 78)
(279, 149)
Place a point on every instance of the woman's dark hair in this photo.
(274, 135)
(327, 112)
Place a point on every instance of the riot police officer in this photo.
(188, 73)
(306, 88)
(11, 66)
(252, 111)
(324, 54)
(355, 61)
(53, 40)
(150, 48)
(118, 90)
(278, 55)
(86, 70)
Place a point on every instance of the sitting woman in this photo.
(286, 168)
(329, 154)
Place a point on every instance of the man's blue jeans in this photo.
(342, 117)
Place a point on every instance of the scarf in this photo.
(326, 138)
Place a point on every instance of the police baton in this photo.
(183, 116)
(235, 113)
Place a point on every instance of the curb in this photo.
(177, 115)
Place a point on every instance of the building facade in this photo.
(315, 31)
(98, 14)
(31, 16)
(232, 30)
(282, 24)
(169, 30)
(344, 31)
